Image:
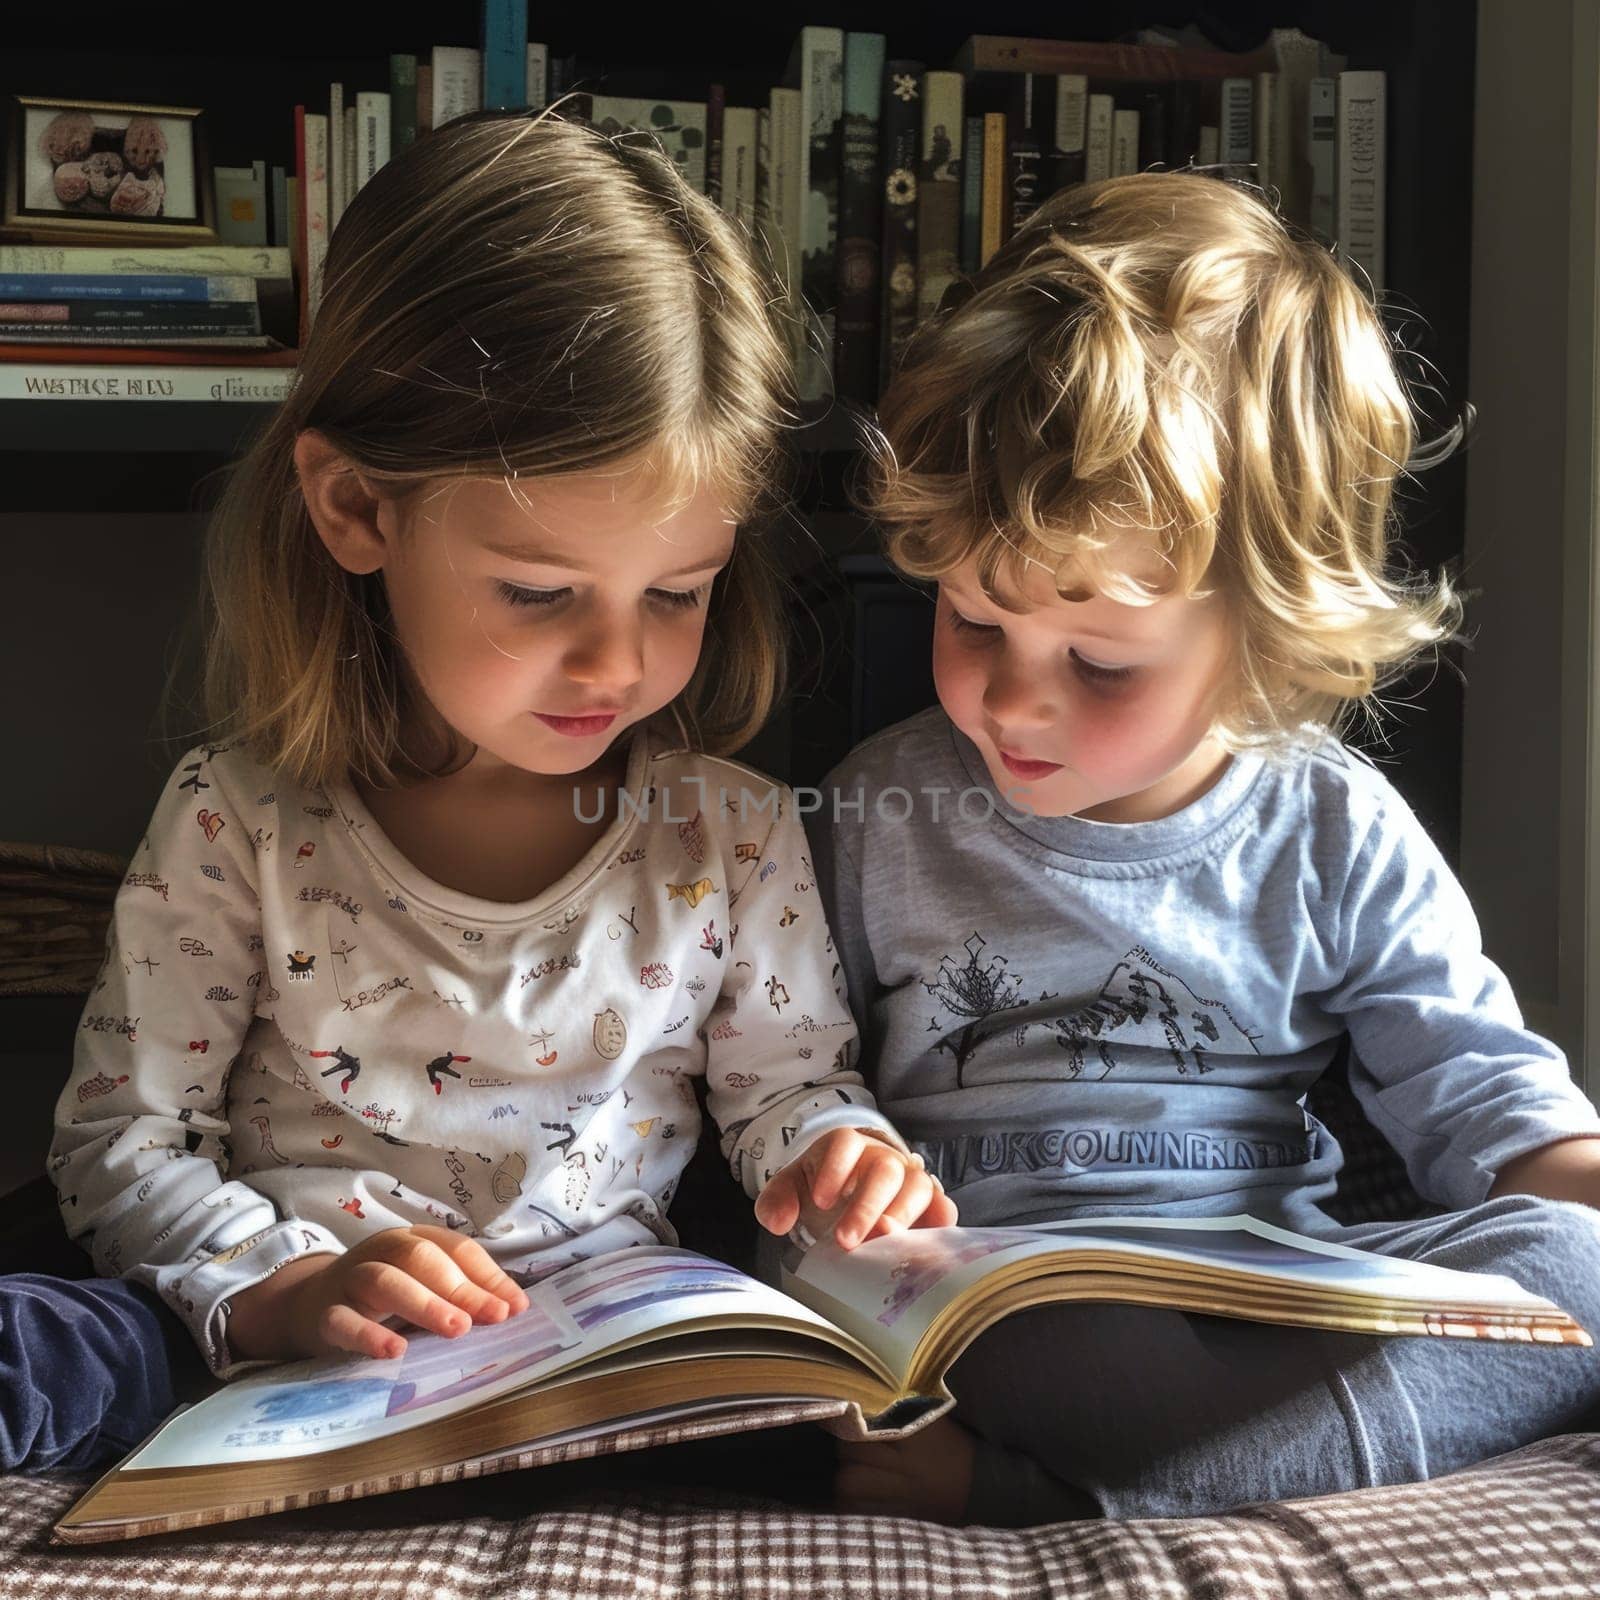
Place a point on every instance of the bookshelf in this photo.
(99, 462)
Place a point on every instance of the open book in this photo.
(656, 1344)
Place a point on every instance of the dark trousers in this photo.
(87, 1370)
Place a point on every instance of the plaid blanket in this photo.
(1526, 1525)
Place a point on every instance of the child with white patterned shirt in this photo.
(409, 980)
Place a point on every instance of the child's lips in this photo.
(578, 727)
(1028, 771)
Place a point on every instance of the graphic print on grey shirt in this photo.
(1072, 1018)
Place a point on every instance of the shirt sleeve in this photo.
(141, 1129)
(1443, 1065)
(780, 1040)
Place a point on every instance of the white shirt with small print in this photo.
(297, 1039)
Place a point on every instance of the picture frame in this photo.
(106, 171)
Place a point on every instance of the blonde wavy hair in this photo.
(1159, 354)
(513, 294)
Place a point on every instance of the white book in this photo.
(338, 194)
(1322, 134)
(1275, 145)
(1124, 142)
(739, 134)
(1362, 191)
(315, 200)
(538, 76)
(939, 189)
(1072, 112)
(347, 153)
(26, 380)
(816, 66)
(1238, 121)
(457, 81)
(1210, 149)
(1097, 138)
(784, 193)
(372, 134)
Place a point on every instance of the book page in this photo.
(574, 1317)
(889, 1291)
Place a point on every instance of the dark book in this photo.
(1013, 95)
(856, 341)
(243, 316)
(901, 145)
(716, 104)
(972, 194)
(1154, 104)
(1183, 123)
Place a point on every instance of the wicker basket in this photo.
(55, 907)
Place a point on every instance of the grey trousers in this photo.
(1128, 1411)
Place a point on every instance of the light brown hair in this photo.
(1161, 354)
(512, 295)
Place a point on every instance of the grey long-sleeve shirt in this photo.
(1068, 1017)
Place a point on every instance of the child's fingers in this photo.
(382, 1289)
(916, 1194)
(486, 1272)
(831, 1161)
(342, 1327)
(878, 1180)
(941, 1212)
(479, 1268)
(425, 1258)
(778, 1204)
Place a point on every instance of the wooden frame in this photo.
(74, 176)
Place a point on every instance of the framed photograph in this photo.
(95, 171)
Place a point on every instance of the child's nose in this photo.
(610, 657)
(1018, 698)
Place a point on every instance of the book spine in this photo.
(402, 100)
(1265, 154)
(993, 179)
(127, 286)
(1210, 145)
(372, 120)
(1238, 121)
(280, 232)
(49, 381)
(1097, 139)
(1155, 118)
(860, 218)
(1362, 189)
(298, 223)
(1183, 128)
(1069, 149)
(538, 76)
(973, 168)
(424, 98)
(902, 143)
(1118, 62)
(716, 111)
(457, 82)
(348, 146)
(1322, 131)
(787, 138)
(938, 190)
(1023, 153)
(83, 314)
(739, 140)
(505, 54)
(164, 338)
(822, 111)
(315, 199)
(1124, 142)
(338, 194)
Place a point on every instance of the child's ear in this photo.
(341, 503)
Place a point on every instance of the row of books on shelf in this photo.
(870, 183)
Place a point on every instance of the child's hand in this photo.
(319, 1304)
(885, 1189)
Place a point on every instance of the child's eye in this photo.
(681, 599)
(982, 630)
(514, 594)
(1094, 672)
